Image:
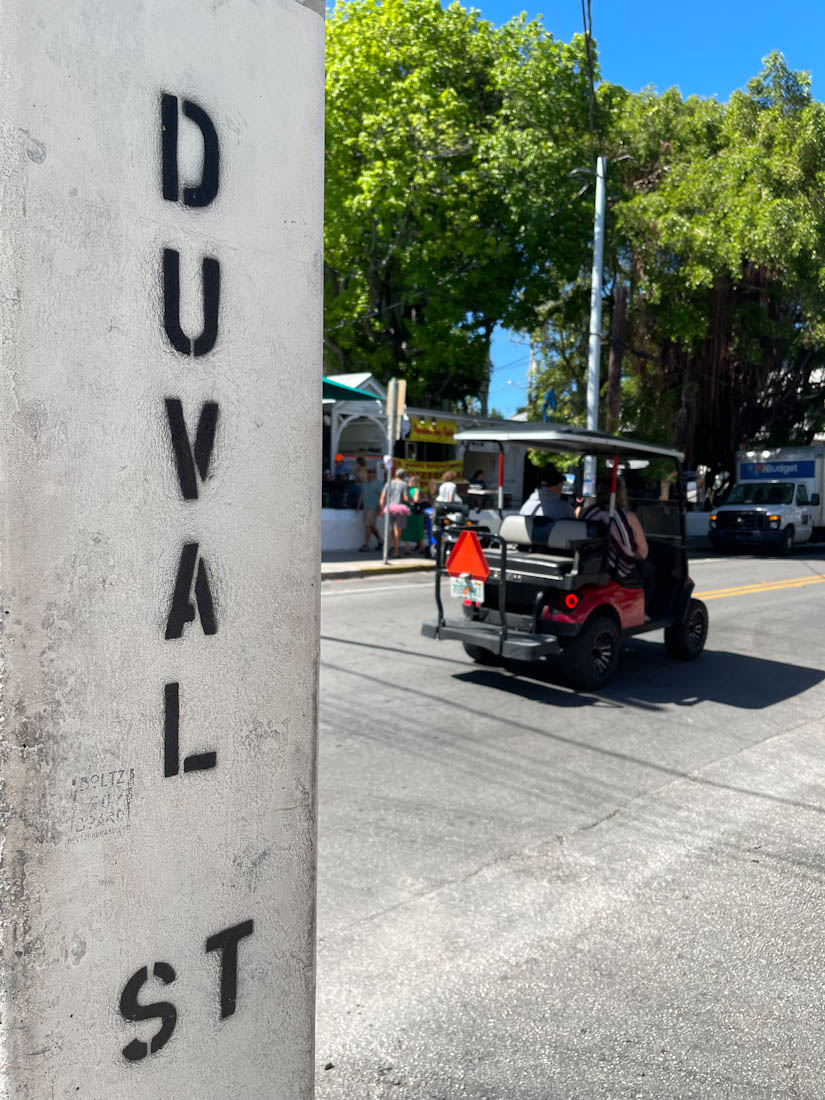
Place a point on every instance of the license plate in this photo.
(467, 589)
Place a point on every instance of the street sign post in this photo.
(395, 411)
(161, 206)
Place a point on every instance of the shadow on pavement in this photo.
(564, 697)
(649, 679)
(434, 656)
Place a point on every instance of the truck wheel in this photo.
(687, 640)
(786, 545)
(480, 655)
(591, 658)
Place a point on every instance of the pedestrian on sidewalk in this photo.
(356, 482)
(369, 502)
(394, 501)
(447, 491)
(413, 533)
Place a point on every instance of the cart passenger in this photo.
(628, 546)
(546, 500)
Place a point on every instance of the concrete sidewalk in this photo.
(342, 564)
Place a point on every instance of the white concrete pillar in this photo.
(160, 392)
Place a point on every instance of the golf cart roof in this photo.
(565, 437)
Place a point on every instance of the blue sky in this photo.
(703, 47)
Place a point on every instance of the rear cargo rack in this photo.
(496, 633)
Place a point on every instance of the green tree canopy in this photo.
(448, 203)
(717, 228)
(450, 208)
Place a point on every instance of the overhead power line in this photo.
(587, 21)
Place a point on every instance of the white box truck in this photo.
(777, 500)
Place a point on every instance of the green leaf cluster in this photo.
(451, 208)
(717, 227)
(448, 203)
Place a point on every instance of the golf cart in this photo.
(537, 589)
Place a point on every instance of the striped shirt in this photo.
(622, 556)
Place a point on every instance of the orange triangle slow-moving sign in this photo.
(468, 557)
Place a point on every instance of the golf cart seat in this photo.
(542, 533)
(563, 553)
(525, 530)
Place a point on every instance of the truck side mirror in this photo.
(814, 499)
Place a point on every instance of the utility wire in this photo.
(587, 21)
(514, 363)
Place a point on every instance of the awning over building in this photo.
(334, 391)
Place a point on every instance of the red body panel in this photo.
(628, 603)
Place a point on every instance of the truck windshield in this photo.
(761, 493)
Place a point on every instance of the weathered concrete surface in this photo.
(122, 850)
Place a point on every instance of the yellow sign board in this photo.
(427, 471)
(429, 430)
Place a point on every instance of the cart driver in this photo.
(546, 500)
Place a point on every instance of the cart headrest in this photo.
(526, 530)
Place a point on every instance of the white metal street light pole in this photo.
(594, 358)
(392, 398)
(395, 409)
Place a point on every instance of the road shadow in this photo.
(647, 678)
(433, 655)
(650, 680)
(557, 696)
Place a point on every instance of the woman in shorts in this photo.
(394, 500)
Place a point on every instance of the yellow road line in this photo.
(764, 586)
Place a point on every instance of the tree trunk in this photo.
(614, 365)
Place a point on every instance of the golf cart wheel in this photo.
(687, 640)
(480, 655)
(592, 657)
(786, 545)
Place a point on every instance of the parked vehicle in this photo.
(777, 501)
(542, 589)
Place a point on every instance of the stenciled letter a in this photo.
(182, 610)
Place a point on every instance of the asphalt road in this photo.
(529, 894)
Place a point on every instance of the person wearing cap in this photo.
(546, 500)
(341, 468)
